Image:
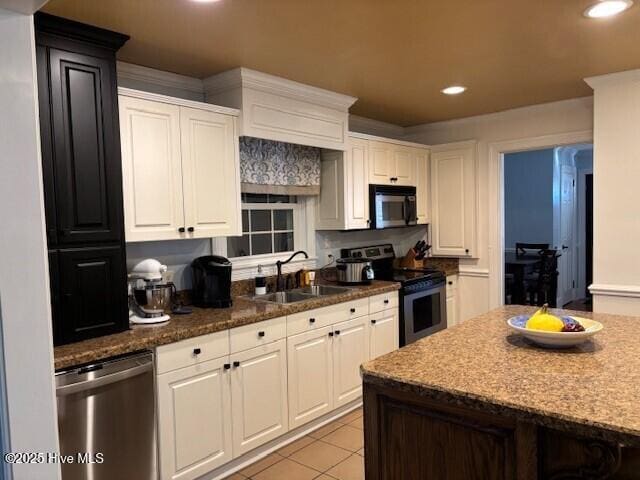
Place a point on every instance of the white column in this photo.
(616, 193)
(24, 281)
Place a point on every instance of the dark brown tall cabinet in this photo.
(82, 177)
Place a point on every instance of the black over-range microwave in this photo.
(392, 206)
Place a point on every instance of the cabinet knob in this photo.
(236, 364)
(227, 366)
(373, 322)
(386, 301)
(466, 250)
(190, 229)
(181, 229)
(197, 351)
(353, 310)
(312, 320)
(337, 332)
(331, 334)
(450, 282)
(261, 334)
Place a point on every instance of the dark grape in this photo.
(573, 327)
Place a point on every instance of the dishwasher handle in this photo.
(104, 380)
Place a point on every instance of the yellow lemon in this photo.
(543, 320)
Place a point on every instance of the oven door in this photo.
(423, 313)
(391, 211)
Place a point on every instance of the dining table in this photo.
(519, 266)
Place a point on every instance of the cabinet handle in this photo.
(227, 366)
(261, 334)
(190, 229)
(466, 250)
(353, 310)
(236, 364)
(312, 320)
(373, 322)
(181, 229)
(394, 179)
(331, 334)
(337, 332)
(197, 351)
(450, 283)
(386, 302)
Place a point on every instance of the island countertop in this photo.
(592, 389)
(201, 322)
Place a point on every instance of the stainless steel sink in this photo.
(284, 297)
(322, 290)
(301, 294)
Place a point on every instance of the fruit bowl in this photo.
(556, 339)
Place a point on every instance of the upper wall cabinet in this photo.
(454, 199)
(345, 179)
(180, 168)
(274, 108)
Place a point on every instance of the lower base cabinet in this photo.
(350, 350)
(259, 394)
(310, 371)
(194, 428)
(383, 332)
(452, 301)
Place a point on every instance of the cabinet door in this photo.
(404, 166)
(85, 145)
(152, 168)
(211, 169)
(92, 287)
(452, 301)
(310, 375)
(381, 163)
(259, 393)
(421, 156)
(194, 420)
(357, 184)
(453, 200)
(383, 332)
(350, 350)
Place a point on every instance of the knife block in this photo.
(409, 260)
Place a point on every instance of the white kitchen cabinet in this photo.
(384, 330)
(310, 375)
(194, 420)
(259, 393)
(452, 300)
(344, 188)
(405, 166)
(350, 350)
(391, 164)
(454, 199)
(421, 159)
(180, 166)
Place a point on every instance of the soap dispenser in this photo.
(260, 282)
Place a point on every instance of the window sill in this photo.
(245, 268)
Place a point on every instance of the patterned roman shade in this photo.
(279, 168)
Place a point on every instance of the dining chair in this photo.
(522, 248)
(545, 288)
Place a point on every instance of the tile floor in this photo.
(333, 452)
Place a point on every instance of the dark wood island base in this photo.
(410, 437)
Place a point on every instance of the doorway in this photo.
(548, 226)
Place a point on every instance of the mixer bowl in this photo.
(154, 299)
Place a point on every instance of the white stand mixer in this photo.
(149, 298)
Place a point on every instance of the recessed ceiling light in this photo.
(607, 8)
(453, 90)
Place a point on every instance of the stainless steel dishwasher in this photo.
(106, 420)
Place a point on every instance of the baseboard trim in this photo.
(259, 453)
(609, 290)
(473, 272)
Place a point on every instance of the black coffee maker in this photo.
(211, 281)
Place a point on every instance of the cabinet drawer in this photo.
(321, 317)
(382, 302)
(191, 351)
(256, 334)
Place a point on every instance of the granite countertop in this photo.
(201, 322)
(592, 389)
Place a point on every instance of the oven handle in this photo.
(424, 293)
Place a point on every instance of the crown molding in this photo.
(394, 141)
(246, 78)
(631, 291)
(613, 78)
(156, 97)
(465, 271)
(374, 127)
(139, 73)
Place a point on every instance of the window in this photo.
(268, 225)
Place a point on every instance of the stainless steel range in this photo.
(423, 299)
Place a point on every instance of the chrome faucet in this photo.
(279, 279)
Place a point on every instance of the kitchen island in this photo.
(478, 401)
